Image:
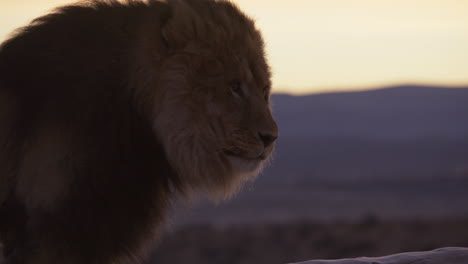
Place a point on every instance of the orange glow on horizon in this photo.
(328, 45)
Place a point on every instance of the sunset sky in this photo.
(328, 45)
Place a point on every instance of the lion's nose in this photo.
(267, 138)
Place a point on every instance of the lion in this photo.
(110, 110)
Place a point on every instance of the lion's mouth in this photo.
(240, 155)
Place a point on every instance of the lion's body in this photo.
(87, 167)
(75, 116)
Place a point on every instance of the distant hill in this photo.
(414, 131)
(395, 113)
(394, 152)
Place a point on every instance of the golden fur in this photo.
(111, 109)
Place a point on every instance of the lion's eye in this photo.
(236, 88)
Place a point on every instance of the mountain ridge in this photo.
(398, 112)
(405, 87)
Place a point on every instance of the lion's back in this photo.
(65, 67)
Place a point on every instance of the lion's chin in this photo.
(245, 169)
(240, 171)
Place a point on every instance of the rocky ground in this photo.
(299, 241)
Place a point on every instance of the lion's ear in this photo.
(183, 25)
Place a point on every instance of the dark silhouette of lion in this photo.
(109, 110)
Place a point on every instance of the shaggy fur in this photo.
(109, 110)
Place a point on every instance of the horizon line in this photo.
(366, 89)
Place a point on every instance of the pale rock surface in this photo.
(450, 255)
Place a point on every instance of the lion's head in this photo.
(212, 110)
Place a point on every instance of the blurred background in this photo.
(372, 102)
